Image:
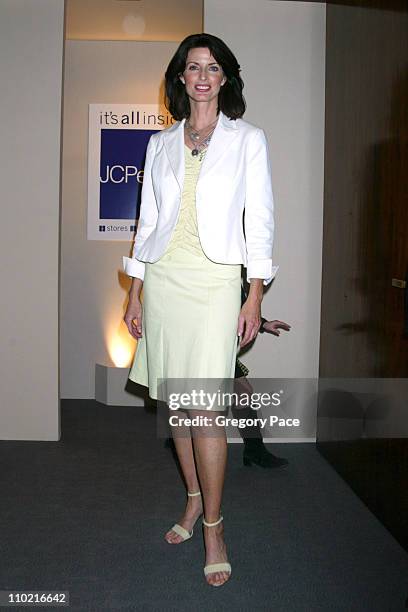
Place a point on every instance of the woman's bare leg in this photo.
(210, 450)
(185, 454)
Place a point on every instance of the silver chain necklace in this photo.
(194, 136)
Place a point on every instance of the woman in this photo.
(200, 176)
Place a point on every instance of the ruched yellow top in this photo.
(185, 235)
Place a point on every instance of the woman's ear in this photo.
(182, 79)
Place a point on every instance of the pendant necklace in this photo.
(195, 137)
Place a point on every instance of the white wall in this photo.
(281, 50)
(31, 64)
(93, 288)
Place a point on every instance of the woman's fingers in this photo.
(251, 330)
(132, 328)
(136, 327)
(241, 325)
(249, 322)
(133, 320)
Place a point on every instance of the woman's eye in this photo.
(212, 68)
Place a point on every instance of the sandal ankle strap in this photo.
(213, 524)
(193, 494)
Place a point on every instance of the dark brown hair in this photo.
(230, 99)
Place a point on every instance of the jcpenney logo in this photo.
(121, 174)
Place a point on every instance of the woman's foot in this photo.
(215, 552)
(194, 509)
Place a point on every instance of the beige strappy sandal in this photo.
(213, 568)
(183, 533)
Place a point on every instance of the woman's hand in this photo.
(249, 321)
(133, 317)
(134, 310)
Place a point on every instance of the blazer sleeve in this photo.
(259, 209)
(147, 217)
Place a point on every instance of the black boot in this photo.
(169, 443)
(256, 452)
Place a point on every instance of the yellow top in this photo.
(185, 234)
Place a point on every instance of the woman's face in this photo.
(202, 76)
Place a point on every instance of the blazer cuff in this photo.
(134, 267)
(261, 268)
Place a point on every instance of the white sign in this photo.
(118, 137)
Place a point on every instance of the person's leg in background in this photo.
(255, 450)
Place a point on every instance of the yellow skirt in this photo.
(190, 319)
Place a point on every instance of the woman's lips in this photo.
(203, 88)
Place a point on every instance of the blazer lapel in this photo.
(224, 133)
(174, 145)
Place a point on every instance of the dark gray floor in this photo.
(87, 514)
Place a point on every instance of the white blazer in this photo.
(234, 199)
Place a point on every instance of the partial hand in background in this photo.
(273, 327)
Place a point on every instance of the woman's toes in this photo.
(172, 537)
(221, 578)
(169, 537)
(218, 578)
(210, 579)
